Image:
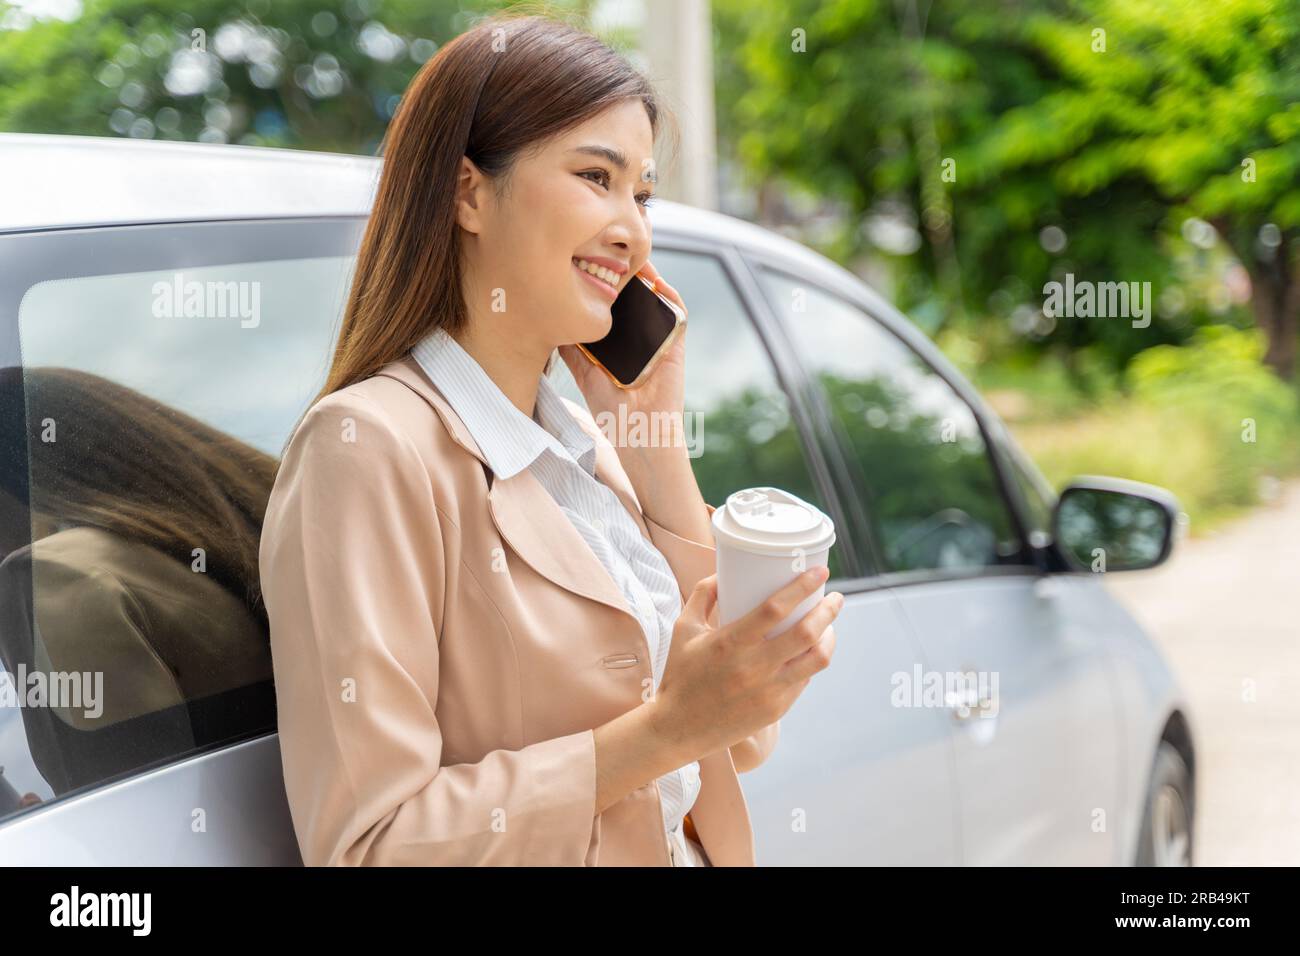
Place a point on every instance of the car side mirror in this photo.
(1113, 524)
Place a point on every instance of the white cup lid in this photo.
(771, 521)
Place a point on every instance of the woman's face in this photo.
(568, 200)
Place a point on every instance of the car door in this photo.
(149, 377)
(853, 780)
(1005, 656)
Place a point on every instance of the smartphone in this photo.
(646, 323)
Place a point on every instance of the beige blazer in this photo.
(442, 653)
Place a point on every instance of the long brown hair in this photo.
(137, 467)
(504, 85)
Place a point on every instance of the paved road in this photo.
(1226, 612)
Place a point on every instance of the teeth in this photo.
(600, 272)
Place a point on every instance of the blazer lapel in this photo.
(539, 532)
(525, 514)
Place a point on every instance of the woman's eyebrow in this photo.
(612, 154)
(615, 156)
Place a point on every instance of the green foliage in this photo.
(1217, 384)
(1023, 386)
(294, 73)
(1108, 120)
(1221, 365)
(1206, 420)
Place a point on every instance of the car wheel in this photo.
(1166, 837)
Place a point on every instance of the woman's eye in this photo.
(602, 176)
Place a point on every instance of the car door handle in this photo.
(969, 701)
(962, 703)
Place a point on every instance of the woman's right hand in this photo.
(723, 684)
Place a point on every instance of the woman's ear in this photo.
(471, 192)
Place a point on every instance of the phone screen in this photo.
(642, 321)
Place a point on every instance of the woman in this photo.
(472, 592)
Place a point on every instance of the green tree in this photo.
(1022, 148)
(293, 73)
(1197, 101)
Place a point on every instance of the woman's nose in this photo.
(631, 231)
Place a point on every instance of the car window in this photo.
(740, 433)
(1034, 491)
(148, 411)
(928, 486)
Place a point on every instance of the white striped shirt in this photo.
(562, 456)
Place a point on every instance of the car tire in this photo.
(1167, 816)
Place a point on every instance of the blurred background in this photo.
(960, 156)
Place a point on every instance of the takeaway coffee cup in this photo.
(765, 538)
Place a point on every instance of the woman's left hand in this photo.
(663, 390)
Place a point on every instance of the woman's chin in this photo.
(595, 328)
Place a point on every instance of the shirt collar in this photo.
(509, 439)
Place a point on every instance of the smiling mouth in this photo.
(599, 273)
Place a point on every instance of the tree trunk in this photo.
(1275, 292)
(1275, 301)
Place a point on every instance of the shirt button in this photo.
(598, 525)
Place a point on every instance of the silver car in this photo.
(989, 702)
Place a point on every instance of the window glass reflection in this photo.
(927, 483)
(140, 438)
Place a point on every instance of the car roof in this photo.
(61, 182)
(56, 181)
